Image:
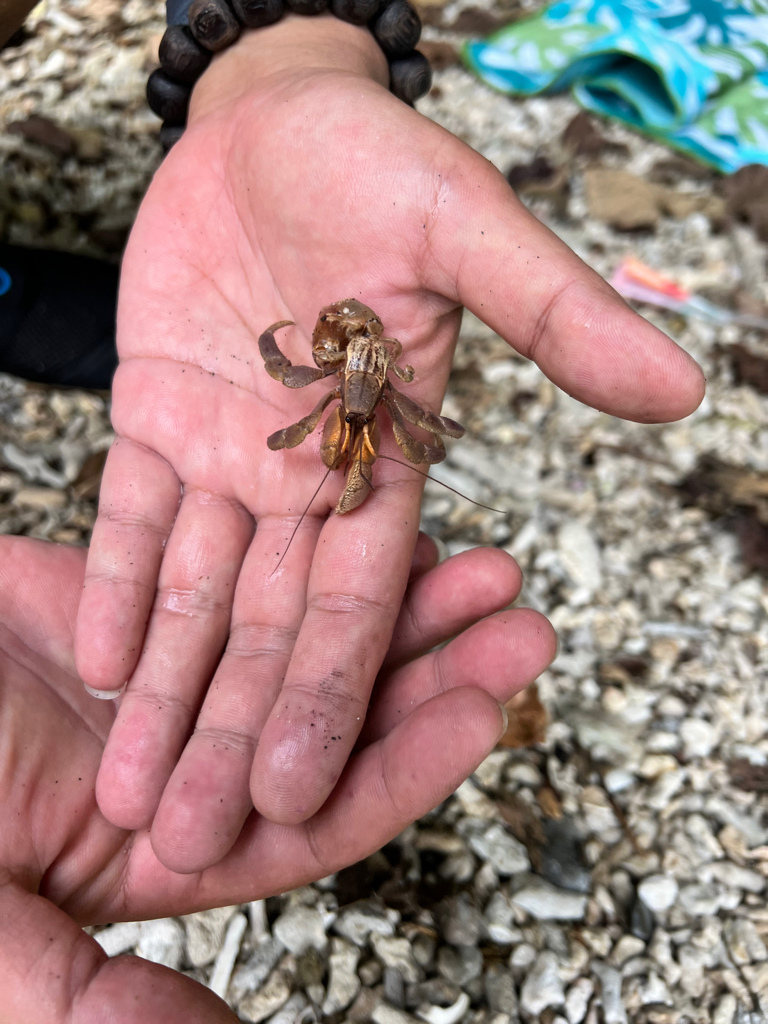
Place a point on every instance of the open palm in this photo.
(63, 865)
(248, 685)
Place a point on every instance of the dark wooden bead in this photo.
(410, 77)
(397, 29)
(183, 59)
(307, 6)
(258, 13)
(168, 99)
(359, 12)
(170, 135)
(213, 24)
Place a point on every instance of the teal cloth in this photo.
(691, 73)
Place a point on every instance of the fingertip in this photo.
(501, 654)
(107, 648)
(182, 849)
(120, 810)
(659, 381)
(690, 386)
(134, 990)
(489, 575)
(445, 738)
(616, 360)
(425, 556)
(203, 807)
(292, 801)
(558, 311)
(496, 572)
(550, 641)
(123, 802)
(289, 781)
(536, 634)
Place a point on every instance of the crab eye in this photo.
(347, 419)
(324, 318)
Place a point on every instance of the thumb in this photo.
(498, 260)
(51, 972)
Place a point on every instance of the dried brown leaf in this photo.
(753, 778)
(527, 720)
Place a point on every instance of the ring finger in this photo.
(207, 798)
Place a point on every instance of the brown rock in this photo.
(431, 14)
(749, 368)
(719, 487)
(475, 21)
(439, 54)
(746, 197)
(538, 170)
(524, 824)
(363, 1006)
(629, 203)
(740, 496)
(683, 204)
(30, 213)
(669, 171)
(752, 536)
(44, 132)
(747, 776)
(621, 199)
(89, 144)
(583, 138)
(540, 180)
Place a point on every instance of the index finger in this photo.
(359, 575)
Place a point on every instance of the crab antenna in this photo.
(426, 476)
(301, 520)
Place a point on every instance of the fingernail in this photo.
(104, 694)
(504, 719)
(558, 645)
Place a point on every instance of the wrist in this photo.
(295, 47)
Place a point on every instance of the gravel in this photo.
(614, 871)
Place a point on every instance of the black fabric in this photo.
(57, 317)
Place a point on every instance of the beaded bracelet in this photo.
(199, 28)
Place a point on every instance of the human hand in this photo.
(300, 181)
(62, 865)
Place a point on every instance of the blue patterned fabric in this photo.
(692, 73)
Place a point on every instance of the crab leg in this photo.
(289, 437)
(360, 468)
(405, 373)
(413, 449)
(422, 418)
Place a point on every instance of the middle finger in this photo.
(359, 574)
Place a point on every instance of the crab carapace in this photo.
(348, 341)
